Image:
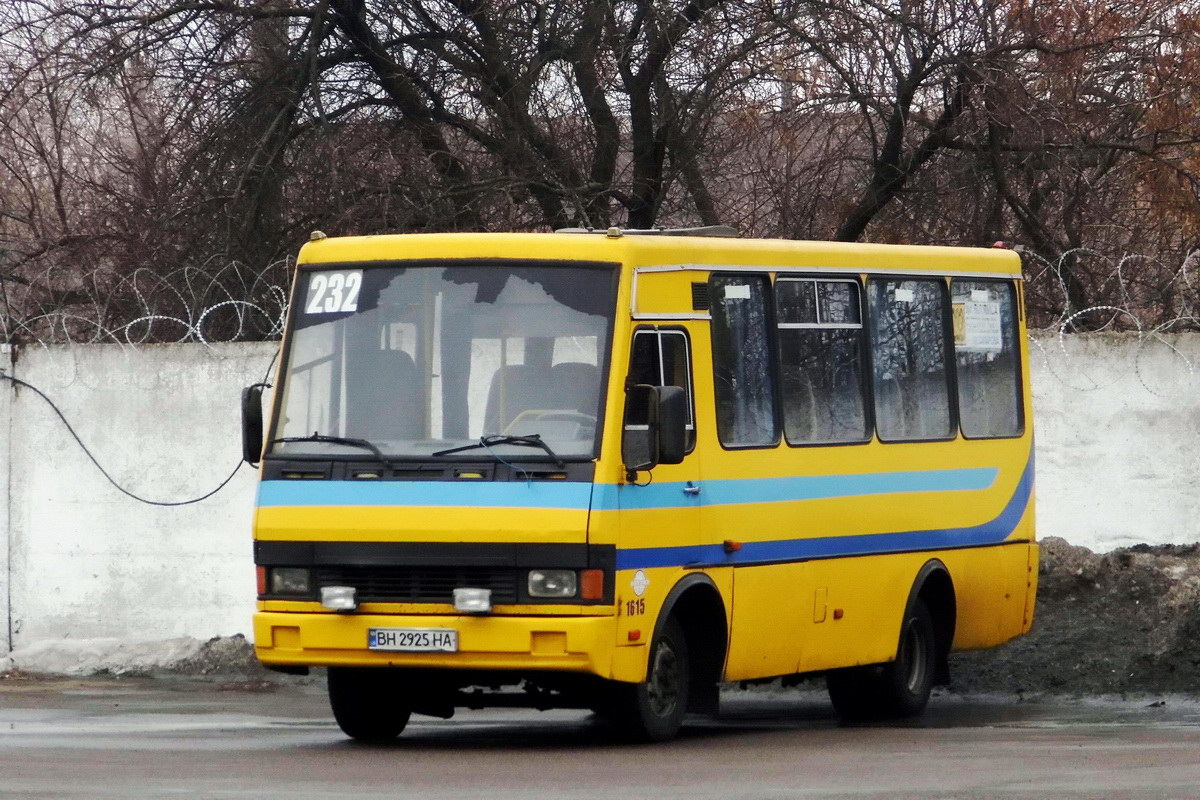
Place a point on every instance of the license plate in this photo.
(413, 640)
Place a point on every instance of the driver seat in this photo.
(577, 384)
(516, 388)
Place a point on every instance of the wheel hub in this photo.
(662, 686)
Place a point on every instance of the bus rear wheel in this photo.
(652, 711)
(368, 704)
(898, 689)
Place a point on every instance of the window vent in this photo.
(700, 296)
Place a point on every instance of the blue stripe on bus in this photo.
(610, 497)
(741, 491)
(994, 531)
(573, 496)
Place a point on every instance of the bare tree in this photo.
(168, 135)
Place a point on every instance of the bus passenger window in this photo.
(820, 349)
(908, 349)
(985, 354)
(661, 358)
(744, 382)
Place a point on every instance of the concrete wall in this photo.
(1116, 421)
(5, 527)
(88, 562)
(1117, 433)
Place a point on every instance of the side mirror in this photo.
(672, 424)
(252, 423)
(639, 440)
(655, 427)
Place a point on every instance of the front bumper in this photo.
(563, 644)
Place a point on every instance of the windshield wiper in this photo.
(349, 442)
(488, 439)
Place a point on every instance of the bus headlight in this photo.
(552, 583)
(290, 580)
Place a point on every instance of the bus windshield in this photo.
(417, 359)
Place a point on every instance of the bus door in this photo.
(660, 513)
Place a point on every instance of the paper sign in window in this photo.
(977, 327)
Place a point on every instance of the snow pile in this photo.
(221, 656)
(1124, 622)
(92, 656)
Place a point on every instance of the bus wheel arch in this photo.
(695, 603)
(934, 586)
(901, 687)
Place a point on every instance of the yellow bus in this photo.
(613, 469)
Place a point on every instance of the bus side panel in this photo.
(863, 601)
(771, 609)
(991, 586)
(811, 602)
(816, 612)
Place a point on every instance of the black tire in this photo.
(854, 692)
(652, 711)
(894, 690)
(368, 704)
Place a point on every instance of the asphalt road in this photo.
(159, 739)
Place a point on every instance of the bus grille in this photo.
(420, 584)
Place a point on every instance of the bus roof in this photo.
(634, 250)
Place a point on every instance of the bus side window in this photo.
(908, 350)
(662, 358)
(985, 355)
(743, 373)
(821, 354)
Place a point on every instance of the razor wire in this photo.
(213, 302)
(1148, 320)
(220, 301)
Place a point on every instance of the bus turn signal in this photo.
(591, 584)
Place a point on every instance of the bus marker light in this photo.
(339, 598)
(262, 580)
(838, 613)
(473, 601)
(635, 636)
(731, 546)
(591, 584)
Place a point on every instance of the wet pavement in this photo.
(143, 738)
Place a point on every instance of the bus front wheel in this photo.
(652, 711)
(367, 703)
(897, 689)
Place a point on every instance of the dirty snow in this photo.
(221, 656)
(1125, 622)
